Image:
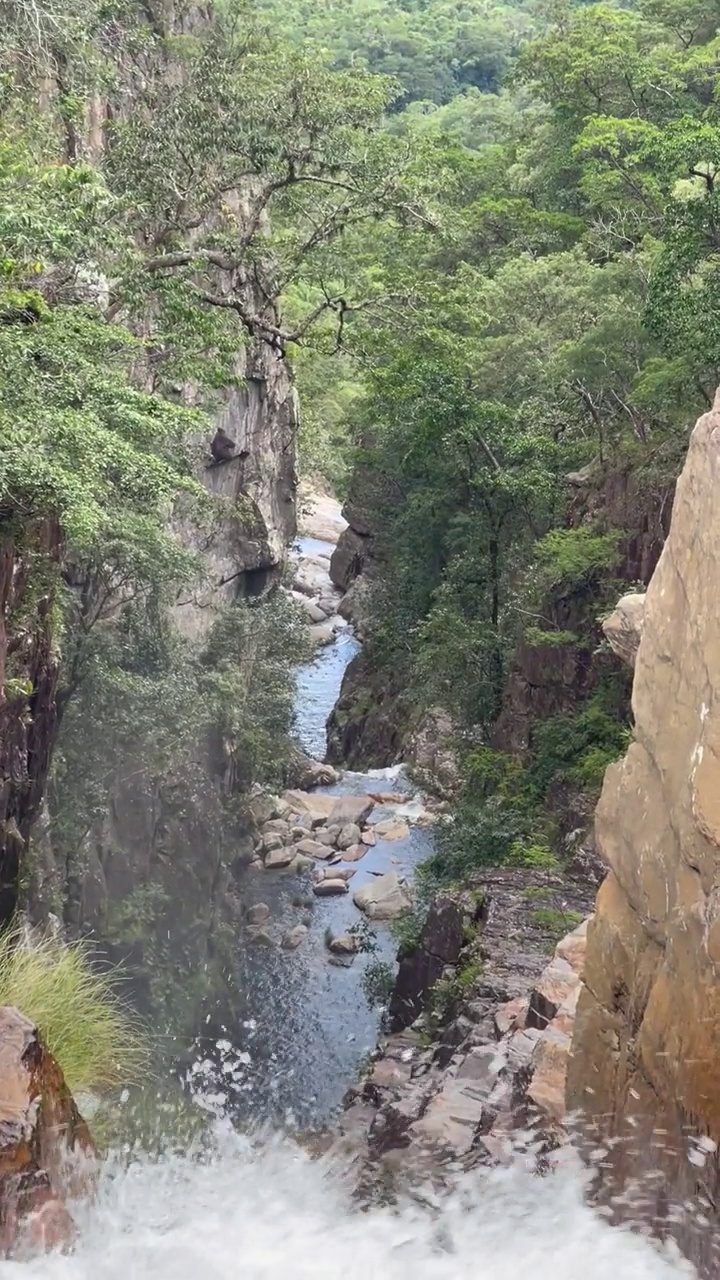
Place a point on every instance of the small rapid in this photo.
(270, 1213)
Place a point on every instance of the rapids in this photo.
(271, 1213)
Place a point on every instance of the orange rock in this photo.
(46, 1152)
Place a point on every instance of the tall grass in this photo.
(94, 1038)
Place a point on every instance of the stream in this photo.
(260, 1208)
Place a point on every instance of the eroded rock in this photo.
(332, 887)
(623, 628)
(46, 1153)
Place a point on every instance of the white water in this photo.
(273, 1214)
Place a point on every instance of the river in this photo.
(261, 1209)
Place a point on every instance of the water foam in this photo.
(272, 1214)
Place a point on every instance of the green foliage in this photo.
(407, 928)
(555, 923)
(449, 991)
(377, 982)
(571, 557)
(76, 1009)
(577, 748)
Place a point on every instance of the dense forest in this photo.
(483, 234)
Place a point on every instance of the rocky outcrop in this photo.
(623, 628)
(456, 1087)
(647, 1036)
(46, 1152)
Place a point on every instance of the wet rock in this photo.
(355, 853)
(330, 888)
(348, 836)
(294, 937)
(383, 899)
(46, 1152)
(369, 838)
(314, 849)
(258, 914)
(391, 829)
(344, 945)
(279, 858)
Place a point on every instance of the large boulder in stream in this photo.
(383, 898)
(46, 1153)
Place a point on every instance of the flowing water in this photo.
(262, 1210)
(270, 1214)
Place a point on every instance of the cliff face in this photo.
(647, 1037)
(28, 680)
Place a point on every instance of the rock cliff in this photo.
(644, 1068)
(46, 1152)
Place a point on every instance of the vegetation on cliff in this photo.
(525, 426)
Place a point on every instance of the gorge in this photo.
(358, 786)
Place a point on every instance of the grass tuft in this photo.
(94, 1038)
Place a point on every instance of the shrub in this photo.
(92, 1036)
(570, 557)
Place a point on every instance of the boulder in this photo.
(294, 937)
(330, 888)
(384, 898)
(277, 827)
(46, 1152)
(348, 836)
(336, 873)
(355, 853)
(303, 773)
(270, 842)
(624, 627)
(351, 809)
(259, 913)
(392, 829)
(314, 849)
(344, 945)
(321, 635)
(369, 838)
(279, 858)
(317, 807)
(348, 558)
(328, 835)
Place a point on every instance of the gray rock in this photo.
(260, 937)
(355, 809)
(271, 841)
(336, 873)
